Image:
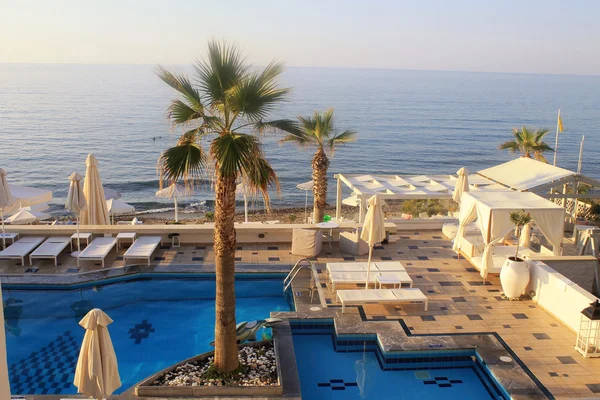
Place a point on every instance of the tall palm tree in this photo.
(528, 142)
(223, 110)
(319, 131)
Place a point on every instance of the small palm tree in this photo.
(319, 131)
(528, 142)
(227, 103)
(519, 220)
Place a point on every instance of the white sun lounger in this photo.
(386, 266)
(97, 250)
(143, 247)
(51, 248)
(381, 296)
(349, 278)
(20, 249)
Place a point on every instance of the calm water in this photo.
(52, 116)
(157, 323)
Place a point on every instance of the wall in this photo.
(558, 295)
(579, 269)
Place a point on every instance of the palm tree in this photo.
(223, 110)
(528, 142)
(319, 131)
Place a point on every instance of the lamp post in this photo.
(588, 336)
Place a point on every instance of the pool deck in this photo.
(459, 304)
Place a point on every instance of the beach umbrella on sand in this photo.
(462, 184)
(96, 212)
(175, 191)
(24, 217)
(373, 230)
(28, 196)
(4, 383)
(306, 186)
(76, 201)
(97, 373)
(116, 207)
(111, 194)
(6, 201)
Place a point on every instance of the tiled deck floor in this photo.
(459, 302)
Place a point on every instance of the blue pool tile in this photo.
(276, 259)
(197, 258)
(141, 331)
(385, 258)
(159, 259)
(520, 316)
(427, 318)
(32, 270)
(73, 270)
(350, 259)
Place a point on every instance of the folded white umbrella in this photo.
(96, 212)
(242, 189)
(23, 217)
(6, 201)
(306, 186)
(97, 372)
(76, 202)
(174, 192)
(373, 230)
(116, 207)
(4, 382)
(462, 185)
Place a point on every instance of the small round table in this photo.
(331, 226)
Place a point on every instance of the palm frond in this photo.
(540, 133)
(342, 138)
(232, 152)
(184, 161)
(260, 177)
(279, 125)
(512, 146)
(183, 85)
(180, 113)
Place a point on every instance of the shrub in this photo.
(210, 216)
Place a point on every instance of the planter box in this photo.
(145, 388)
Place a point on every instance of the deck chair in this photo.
(50, 249)
(142, 248)
(381, 296)
(97, 250)
(20, 249)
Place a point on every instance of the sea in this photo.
(408, 122)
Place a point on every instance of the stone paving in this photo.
(459, 302)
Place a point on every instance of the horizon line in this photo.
(317, 67)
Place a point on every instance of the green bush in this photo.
(292, 218)
(210, 216)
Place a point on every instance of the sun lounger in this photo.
(51, 248)
(20, 249)
(388, 266)
(143, 247)
(352, 278)
(97, 250)
(381, 296)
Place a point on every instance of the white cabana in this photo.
(306, 186)
(524, 174)
(492, 209)
(117, 207)
(24, 217)
(462, 185)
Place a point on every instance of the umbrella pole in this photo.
(305, 206)
(369, 267)
(3, 238)
(78, 239)
(245, 208)
(176, 211)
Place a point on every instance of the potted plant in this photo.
(514, 275)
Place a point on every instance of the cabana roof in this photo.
(511, 200)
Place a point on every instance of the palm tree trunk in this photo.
(226, 352)
(320, 164)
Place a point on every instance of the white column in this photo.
(4, 382)
(338, 201)
(176, 211)
(245, 208)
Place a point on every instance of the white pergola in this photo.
(521, 174)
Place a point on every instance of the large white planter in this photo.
(514, 277)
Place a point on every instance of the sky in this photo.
(531, 36)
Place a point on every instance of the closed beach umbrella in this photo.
(97, 373)
(241, 188)
(96, 212)
(24, 217)
(116, 207)
(462, 185)
(4, 382)
(175, 191)
(6, 201)
(306, 186)
(76, 202)
(525, 238)
(373, 230)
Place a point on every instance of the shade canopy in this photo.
(28, 196)
(306, 185)
(462, 184)
(492, 211)
(23, 217)
(174, 191)
(524, 173)
(116, 207)
(111, 194)
(96, 212)
(97, 373)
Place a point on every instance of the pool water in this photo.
(157, 322)
(355, 371)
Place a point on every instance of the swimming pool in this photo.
(353, 367)
(158, 321)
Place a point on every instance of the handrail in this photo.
(300, 264)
